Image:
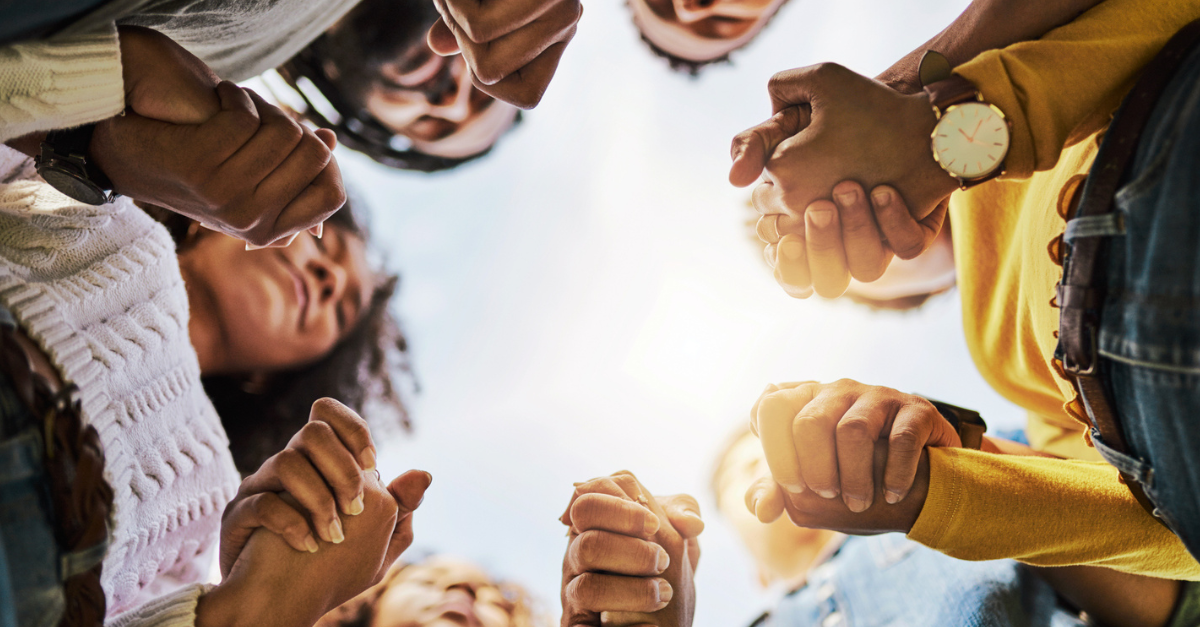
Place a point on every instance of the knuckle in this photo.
(854, 430)
(591, 548)
(904, 440)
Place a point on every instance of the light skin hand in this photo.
(323, 469)
(820, 438)
(511, 46)
(273, 585)
(830, 126)
(624, 565)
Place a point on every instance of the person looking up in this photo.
(692, 34)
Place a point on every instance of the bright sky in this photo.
(587, 299)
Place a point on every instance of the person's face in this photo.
(442, 592)
(432, 101)
(701, 30)
(277, 308)
(781, 549)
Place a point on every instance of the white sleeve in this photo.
(177, 609)
(60, 84)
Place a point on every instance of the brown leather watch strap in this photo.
(949, 92)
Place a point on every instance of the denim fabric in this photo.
(1149, 339)
(889, 580)
(28, 550)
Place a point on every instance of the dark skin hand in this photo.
(210, 150)
(511, 46)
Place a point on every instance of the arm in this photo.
(985, 25)
(45, 86)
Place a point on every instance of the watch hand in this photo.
(964, 134)
(975, 132)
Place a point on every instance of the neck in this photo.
(204, 335)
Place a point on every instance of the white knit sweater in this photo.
(99, 289)
(76, 79)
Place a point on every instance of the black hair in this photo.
(344, 64)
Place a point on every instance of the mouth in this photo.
(301, 289)
(459, 610)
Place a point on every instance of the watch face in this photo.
(73, 186)
(971, 140)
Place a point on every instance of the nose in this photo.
(331, 278)
(689, 11)
(456, 105)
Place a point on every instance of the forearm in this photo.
(986, 25)
(1114, 598)
(1043, 511)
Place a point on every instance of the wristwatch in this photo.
(967, 422)
(971, 139)
(66, 164)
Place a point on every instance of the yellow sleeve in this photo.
(1043, 511)
(1065, 86)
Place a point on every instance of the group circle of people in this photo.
(197, 353)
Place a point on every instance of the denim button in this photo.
(825, 592)
(833, 620)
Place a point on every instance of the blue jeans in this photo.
(1149, 340)
(891, 581)
(31, 593)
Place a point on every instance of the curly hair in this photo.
(362, 371)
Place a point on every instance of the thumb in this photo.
(409, 490)
(764, 499)
(752, 148)
(683, 512)
(441, 39)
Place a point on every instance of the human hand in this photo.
(249, 171)
(512, 46)
(767, 500)
(271, 585)
(321, 470)
(820, 438)
(163, 81)
(831, 125)
(631, 558)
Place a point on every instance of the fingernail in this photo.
(367, 458)
(310, 544)
(318, 230)
(893, 497)
(793, 250)
(428, 479)
(846, 198)
(856, 504)
(651, 526)
(664, 591)
(290, 240)
(881, 197)
(250, 246)
(356, 506)
(664, 560)
(820, 217)
(754, 503)
(827, 494)
(335, 532)
(794, 489)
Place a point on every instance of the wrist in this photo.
(934, 183)
(28, 144)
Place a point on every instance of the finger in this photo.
(866, 255)
(683, 513)
(441, 39)
(487, 21)
(327, 136)
(776, 412)
(791, 267)
(525, 87)
(595, 550)
(409, 491)
(905, 235)
(598, 592)
(320, 200)
(268, 511)
(767, 228)
(227, 131)
(350, 428)
(277, 137)
(814, 435)
(770, 252)
(823, 246)
(857, 432)
(600, 485)
(496, 59)
(307, 189)
(916, 426)
(291, 471)
(804, 85)
(767, 201)
(336, 465)
(771, 387)
(765, 499)
(610, 513)
(752, 149)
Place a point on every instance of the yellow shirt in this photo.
(1056, 91)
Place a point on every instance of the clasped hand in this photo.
(631, 557)
(212, 151)
(835, 134)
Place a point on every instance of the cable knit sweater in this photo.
(76, 78)
(99, 289)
